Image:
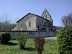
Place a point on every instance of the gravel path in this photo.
(51, 38)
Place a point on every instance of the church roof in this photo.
(32, 14)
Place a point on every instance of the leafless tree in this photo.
(67, 20)
(6, 26)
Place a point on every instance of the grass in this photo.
(1, 32)
(50, 47)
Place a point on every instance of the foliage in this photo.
(22, 38)
(5, 37)
(64, 39)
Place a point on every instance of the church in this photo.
(33, 22)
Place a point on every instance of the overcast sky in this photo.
(15, 9)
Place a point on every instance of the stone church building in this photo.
(33, 22)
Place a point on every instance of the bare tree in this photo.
(6, 26)
(67, 20)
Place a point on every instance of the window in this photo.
(38, 27)
(29, 23)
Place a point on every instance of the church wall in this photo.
(24, 23)
(31, 20)
(40, 22)
(43, 24)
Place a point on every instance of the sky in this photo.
(15, 9)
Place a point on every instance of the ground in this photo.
(50, 47)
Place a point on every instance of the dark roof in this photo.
(28, 14)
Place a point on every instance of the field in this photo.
(50, 47)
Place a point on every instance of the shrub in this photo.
(39, 44)
(5, 37)
(64, 40)
(22, 38)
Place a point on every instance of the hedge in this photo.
(64, 40)
(5, 37)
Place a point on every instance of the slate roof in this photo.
(28, 14)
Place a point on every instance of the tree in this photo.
(5, 26)
(67, 20)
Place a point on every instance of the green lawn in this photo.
(50, 47)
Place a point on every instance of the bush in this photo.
(5, 38)
(22, 38)
(64, 40)
(39, 44)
